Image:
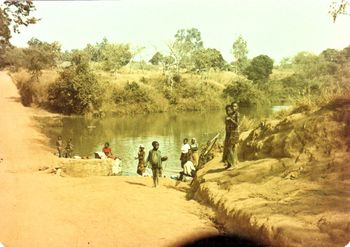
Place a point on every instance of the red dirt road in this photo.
(38, 209)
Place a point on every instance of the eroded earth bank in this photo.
(292, 187)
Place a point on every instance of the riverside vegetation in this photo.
(104, 78)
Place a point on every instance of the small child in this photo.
(141, 168)
(155, 160)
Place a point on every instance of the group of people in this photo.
(189, 158)
(189, 151)
(64, 152)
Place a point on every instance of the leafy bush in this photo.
(244, 92)
(138, 98)
(27, 93)
(77, 89)
(132, 93)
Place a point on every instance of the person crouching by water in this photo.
(141, 168)
(107, 150)
(188, 170)
(194, 151)
(154, 159)
(59, 146)
(232, 135)
(185, 152)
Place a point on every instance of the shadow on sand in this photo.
(133, 183)
(222, 241)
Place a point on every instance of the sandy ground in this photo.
(38, 209)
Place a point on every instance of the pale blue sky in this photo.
(278, 28)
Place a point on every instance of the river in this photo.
(126, 133)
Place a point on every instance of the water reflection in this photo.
(126, 133)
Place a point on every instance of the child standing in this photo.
(155, 160)
(59, 146)
(69, 149)
(141, 157)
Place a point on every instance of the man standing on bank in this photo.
(155, 159)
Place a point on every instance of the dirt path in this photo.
(38, 209)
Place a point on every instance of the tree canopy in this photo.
(204, 59)
(259, 69)
(14, 14)
(41, 55)
(187, 42)
(240, 54)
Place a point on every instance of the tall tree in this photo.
(115, 56)
(14, 14)
(240, 54)
(41, 55)
(187, 41)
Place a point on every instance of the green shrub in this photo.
(27, 93)
(77, 89)
(245, 92)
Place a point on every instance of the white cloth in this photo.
(117, 166)
(188, 168)
(185, 148)
(100, 155)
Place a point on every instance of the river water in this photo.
(126, 133)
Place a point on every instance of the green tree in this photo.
(309, 65)
(13, 14)
(259, 69)
(240, 55)
(156, 58)
(245, 92)
(330, 55)
(187, 41)
(41, 55)
(334, 60)
(204, 59)
(95, 51)
(77, 89)
(14, 58)
(115, 56)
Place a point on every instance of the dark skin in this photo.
(156, 146)
(230, 111)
